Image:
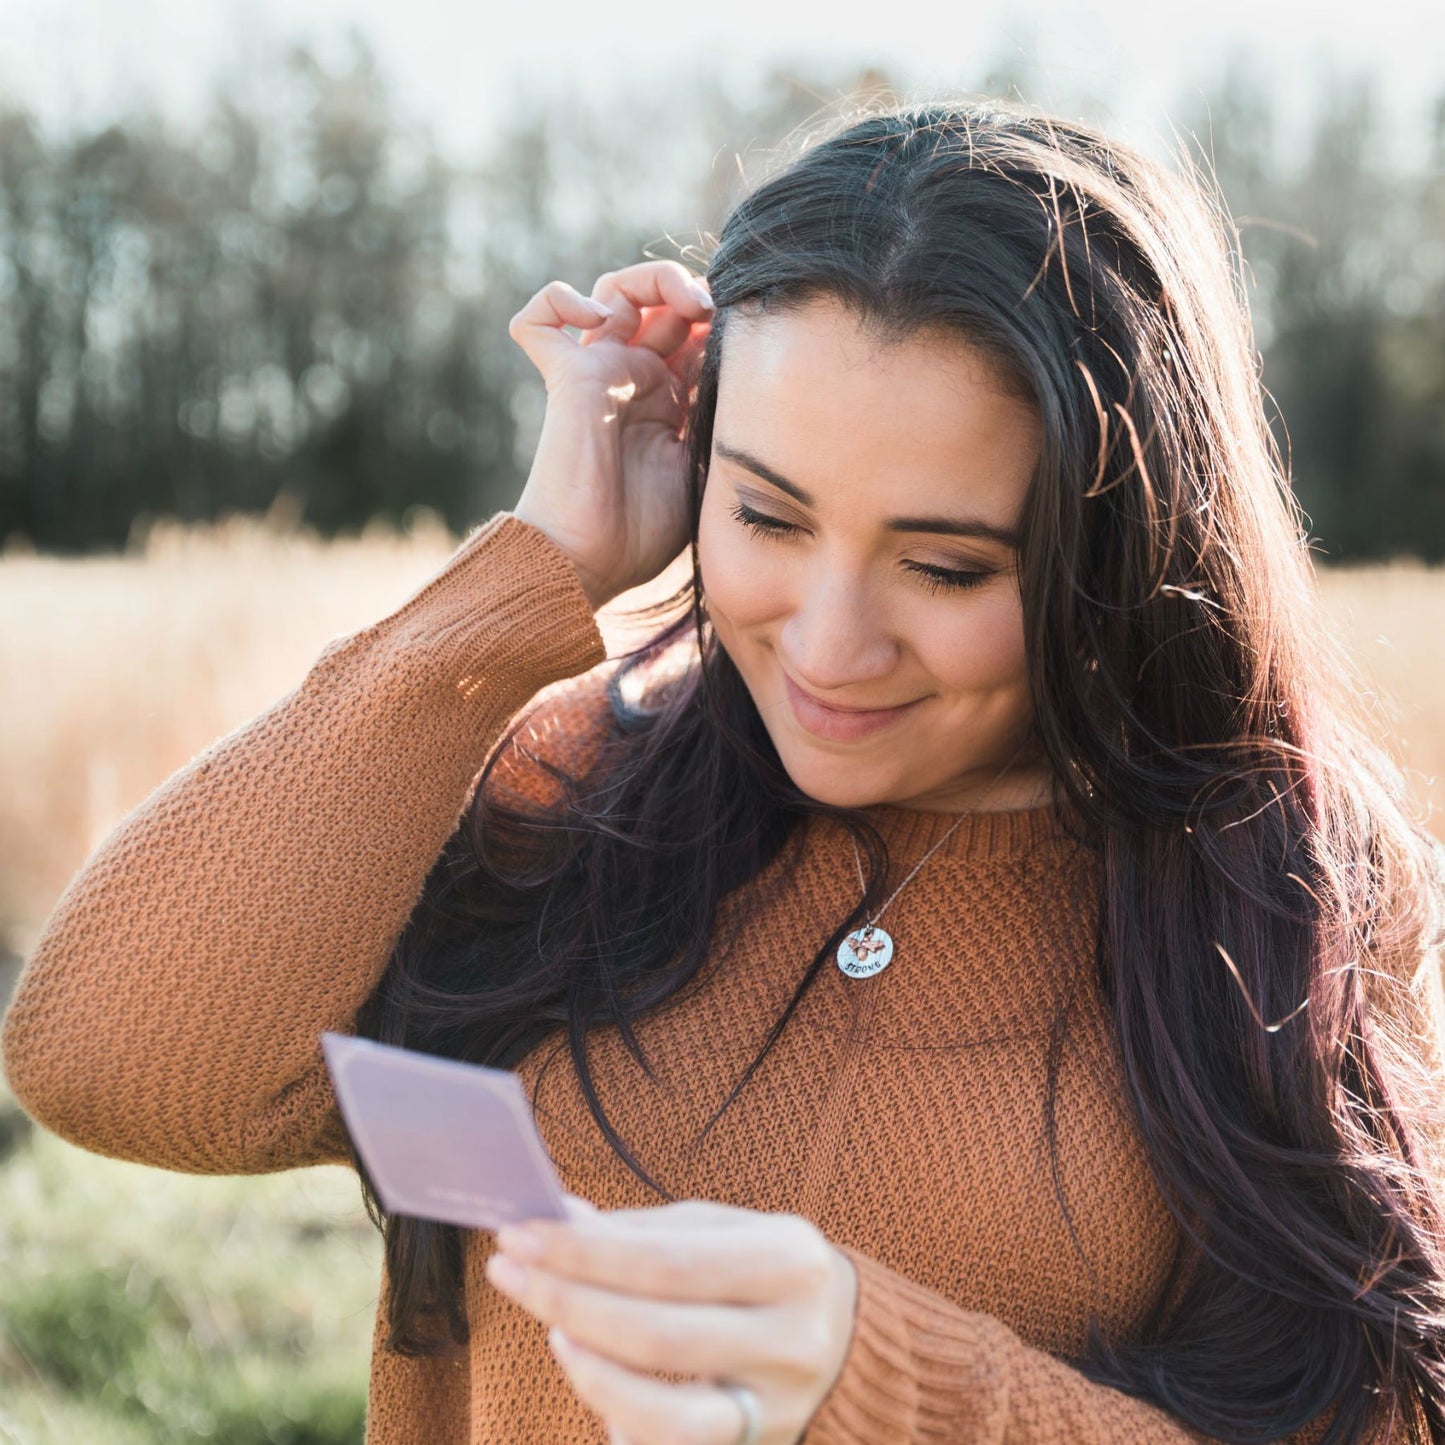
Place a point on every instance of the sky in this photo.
(454, 63)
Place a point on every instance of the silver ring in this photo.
(748, 1404)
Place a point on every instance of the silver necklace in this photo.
(869, 949)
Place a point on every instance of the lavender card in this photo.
(442, 1139)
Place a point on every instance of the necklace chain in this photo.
(864, 882)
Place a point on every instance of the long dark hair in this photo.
(1265, 896)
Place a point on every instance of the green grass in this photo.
(140, 1307)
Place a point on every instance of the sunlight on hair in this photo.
(1258, 1017)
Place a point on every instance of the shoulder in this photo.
(563, 727)
(570, 724)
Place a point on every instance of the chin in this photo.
(834, 781)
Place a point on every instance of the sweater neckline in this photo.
(910, 832)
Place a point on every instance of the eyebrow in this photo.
(944, 526)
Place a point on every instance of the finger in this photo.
(649, 283)
(774, 1260)
(685, 362)
(692, 1212)
(663, 330)
(651, 1334)
(655, 283)
(684, 365)
(646, 1411)
(537, 327)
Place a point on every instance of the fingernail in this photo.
(558, 1340)
(519, 1243)
(598, 307)
(507, 1274)
(701, 292)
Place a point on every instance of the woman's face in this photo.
(858, 559)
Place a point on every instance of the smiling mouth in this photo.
(840, 724)
(838, 707)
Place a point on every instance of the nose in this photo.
(836, 640)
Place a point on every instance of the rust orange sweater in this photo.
(171, 1009)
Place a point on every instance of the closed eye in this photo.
(939, 579)
(760, 521)
(936, 579)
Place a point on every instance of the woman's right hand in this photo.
(608, 481)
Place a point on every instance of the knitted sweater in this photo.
(171, 1009)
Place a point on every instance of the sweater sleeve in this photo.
(920, 1369)
(171, 1008)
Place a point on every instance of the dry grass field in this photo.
(116, 671)
(141, 1306)
(1392, 621)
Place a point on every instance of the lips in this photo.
(840, 724)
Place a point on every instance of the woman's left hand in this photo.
(695, 1288)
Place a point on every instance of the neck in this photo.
(1030, 787)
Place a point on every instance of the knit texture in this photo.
(170, 1013)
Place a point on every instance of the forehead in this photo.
(829, 405)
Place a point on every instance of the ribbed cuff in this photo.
(917, 1369)
(506, 616)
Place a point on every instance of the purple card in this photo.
(442, 1139)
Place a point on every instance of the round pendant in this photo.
(865, 951)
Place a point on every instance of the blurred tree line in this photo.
(302, 306)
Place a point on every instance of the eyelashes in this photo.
(936, 579)
(760, 521)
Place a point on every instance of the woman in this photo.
(1002, 657)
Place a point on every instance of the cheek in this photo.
(979, 647)
(744, 585)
